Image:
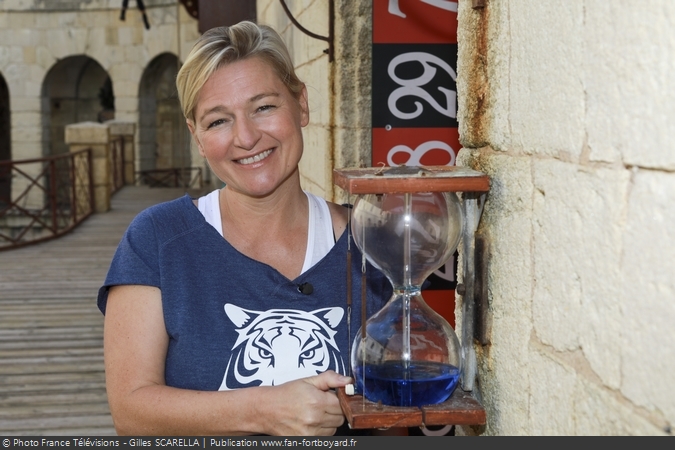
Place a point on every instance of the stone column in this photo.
(96, 136)
(125, 130)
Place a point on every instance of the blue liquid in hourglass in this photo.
(422, 383)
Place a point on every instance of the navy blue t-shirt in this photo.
(235, 322)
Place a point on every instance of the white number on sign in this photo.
(415, 156)
(412, 86)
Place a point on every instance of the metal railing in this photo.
(117, 163)
(185, 177)
(44, 198)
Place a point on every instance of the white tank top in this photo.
(320, 237)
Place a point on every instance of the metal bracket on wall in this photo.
(473, 203)
(480, 293)
(331, 22)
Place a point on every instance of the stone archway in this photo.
(76, 89)
(5, 142)
(163, 137)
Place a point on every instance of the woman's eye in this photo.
(265, 108)
(215, 123)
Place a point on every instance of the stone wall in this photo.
(36, 35)
(569, 107)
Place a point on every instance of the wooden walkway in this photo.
(52, 378)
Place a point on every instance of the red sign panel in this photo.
(414, 21)
(415, 101)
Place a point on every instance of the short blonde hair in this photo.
(224, 45)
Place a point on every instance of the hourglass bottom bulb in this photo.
(419, 384)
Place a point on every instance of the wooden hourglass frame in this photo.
(461, 408)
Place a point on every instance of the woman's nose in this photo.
(246, 133)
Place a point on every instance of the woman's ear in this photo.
(191, 127)
(304, 107)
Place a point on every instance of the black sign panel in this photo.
(417, 83)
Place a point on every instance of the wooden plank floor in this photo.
(52, 379)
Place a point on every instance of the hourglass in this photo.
(406, 359)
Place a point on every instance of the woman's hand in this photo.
(306, 407)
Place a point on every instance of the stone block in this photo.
(29, 55)
(101, 198)
(4, 51)
(59, 43)
(121, 128)
(44, 57)
(125, 105)
(156, 44)
(87, 133)
(26, 133)
(30, 119)
(32, 87)
(111, 36)
(603, 412)
(647, 334)
(627, 76)
(546, 97)
(578, 215)
(551, 398)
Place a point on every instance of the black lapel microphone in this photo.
(306, 288)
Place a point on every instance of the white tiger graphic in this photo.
(281, 345)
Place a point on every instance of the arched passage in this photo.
(163, 137)
(5, 142)
(76, 89)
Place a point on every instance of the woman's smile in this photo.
(256, 158)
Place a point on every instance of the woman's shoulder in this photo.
(338, 213)
(168, 218)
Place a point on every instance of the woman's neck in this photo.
(271, 229)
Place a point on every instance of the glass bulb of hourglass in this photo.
(409, 355)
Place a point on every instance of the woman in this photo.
(228, 314)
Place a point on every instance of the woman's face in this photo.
(248, 126)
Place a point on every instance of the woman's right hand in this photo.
(306, 407)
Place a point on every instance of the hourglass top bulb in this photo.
(408, 220)
(407, 236)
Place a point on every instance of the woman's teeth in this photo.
(256, 158)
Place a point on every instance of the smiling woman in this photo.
(209, 325)
(248, 127)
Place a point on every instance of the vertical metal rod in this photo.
(73, 188)
(407, 279)
(349, 281)
(364, 314)
(90, 170)
(52, 193)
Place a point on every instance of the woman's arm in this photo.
(135, 346)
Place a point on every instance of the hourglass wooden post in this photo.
(407, 362)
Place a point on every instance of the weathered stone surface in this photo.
(579, 93)
(87, 133)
